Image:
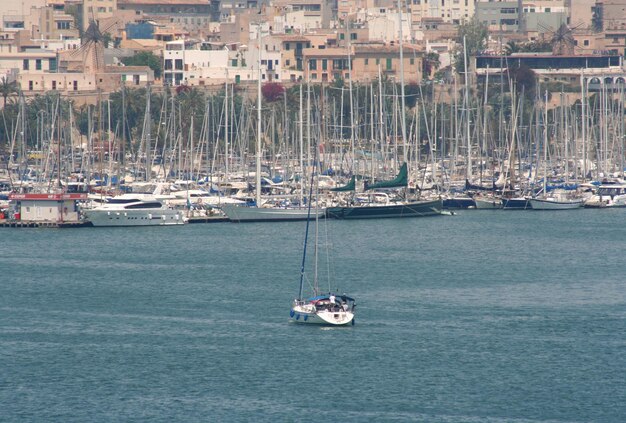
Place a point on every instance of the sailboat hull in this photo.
(516, 203)
(538, 204)
(415, 209)
(260, 214)
(321, 317)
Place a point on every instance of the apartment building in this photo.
(453, 11)
(365, 63)
(96, 10)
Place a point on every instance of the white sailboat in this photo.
(260, 212)
(557, 200)
(331, 309)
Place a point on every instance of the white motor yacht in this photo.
(134, 210)
(608, 195)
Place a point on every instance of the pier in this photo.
(32, 224)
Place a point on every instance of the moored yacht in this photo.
(133, 210)
(608, 195)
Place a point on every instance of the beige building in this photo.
(454, 11)
(613, 14)
(367, 63)
(580, 13)
(109, 80)
(53, 24)
(15, 14)
(95, 10)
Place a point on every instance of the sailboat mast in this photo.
(467, 116)
(402, 102)
(258, 124)
(545, 144)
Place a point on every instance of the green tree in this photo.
(107, 38)
(7, 89)
(145, 58)
(430, 63)
(475, 35)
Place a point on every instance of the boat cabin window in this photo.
(610, 191)
(151, 205)
(122, 200)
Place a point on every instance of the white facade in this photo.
(385, 26)
(196, 66)
(453, 11)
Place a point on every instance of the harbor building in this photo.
(59, 208)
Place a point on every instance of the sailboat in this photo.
(260, 212)
(390, 208)
(556, 201)
(331, 309)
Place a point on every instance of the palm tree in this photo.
(7, 89)
(511, 47)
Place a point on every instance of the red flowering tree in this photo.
(272, 91)
(183, 89)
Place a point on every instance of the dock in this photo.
(208, 219)
(44, 224)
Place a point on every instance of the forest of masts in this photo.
(446, 133)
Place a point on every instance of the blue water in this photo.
(487, 316)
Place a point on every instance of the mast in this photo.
(583, 122)
(468, 173)
(402, 111)
(545, 144)
(301, 149)
(258, 124)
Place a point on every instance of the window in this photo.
(233, 63)
(389, 63)
(54, 85)
(412, 61)
(168, 64)
(52, 64)
(25, 65)
(102, 10)
(38, 64)
(63, 25)
(30, 85)
(287, 62)
(353, 36)
(342, 36)
(367, 61)
(313, 64)
(324, 64)
(178, 64)
(378, 61)
(586, 42)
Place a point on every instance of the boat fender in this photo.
(291, 313)
(306, 317)
(297, 317)
(353, 322)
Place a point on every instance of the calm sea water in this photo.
(487, 316)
